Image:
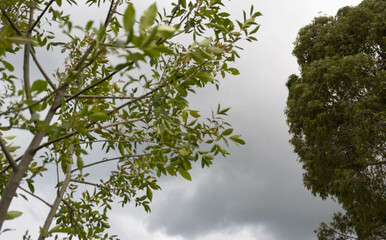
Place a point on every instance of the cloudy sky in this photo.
(257, 192)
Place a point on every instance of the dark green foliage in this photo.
(336, 114)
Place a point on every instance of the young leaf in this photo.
(8, 66)
(99, 116)
(121, 148)
(205, 42)
(148, 17)
(12, 214)
(183, 152)
(205, 76)
(39, 86)
(79, 163)
(149, 194)
(194, 113)
(129, 18)
(227, 132)
(236, 138)
(185, 174)
(165, 31)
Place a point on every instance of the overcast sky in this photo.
(257, 192)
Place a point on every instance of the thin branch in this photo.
(91, 86)
(35, 196)
(99, 185)
(7, 154)
(30, 105)
(40, 16)
(109, 160)
(111, 11)
(98, 97)
(116, 141)
(26, 62)
(57, 201)
(12, 127)
(88, 130)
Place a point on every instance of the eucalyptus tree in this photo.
(336, 114)
(122, 89)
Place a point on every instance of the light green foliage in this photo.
(336, 114)
(135, 110)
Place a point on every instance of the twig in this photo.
(88, 130)
(40, 16)
(98, 185)
(35, 196)
(7, 154)
(26, 67)
(109, 160)
(91, 86)
(57, 201)
(98, 97)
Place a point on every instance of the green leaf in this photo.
(184, 116)
(236, 138)
(9, 137)
(205, 76)
(39, 86)
(8, 66)
(81, 130)
(197, 56)
(227, 132)
(205, 42)
(99, 116)
(206, 55)
(183, 152)
(185, 174)
(222, 150)
(129, 18)
(83, 112)
(194, 113)
(13, 214)
(79, 163)
(60, 229)
(171, 170)
(149, 194)
(121, 148)
(165, 31)
(212, 49)
(19, 40)
(105, 224)
(233, 71)
(223, 111)
(148, 17)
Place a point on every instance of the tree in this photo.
(123, 88)
(336, 116)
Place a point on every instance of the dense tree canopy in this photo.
(122, 90)
(336, 114)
